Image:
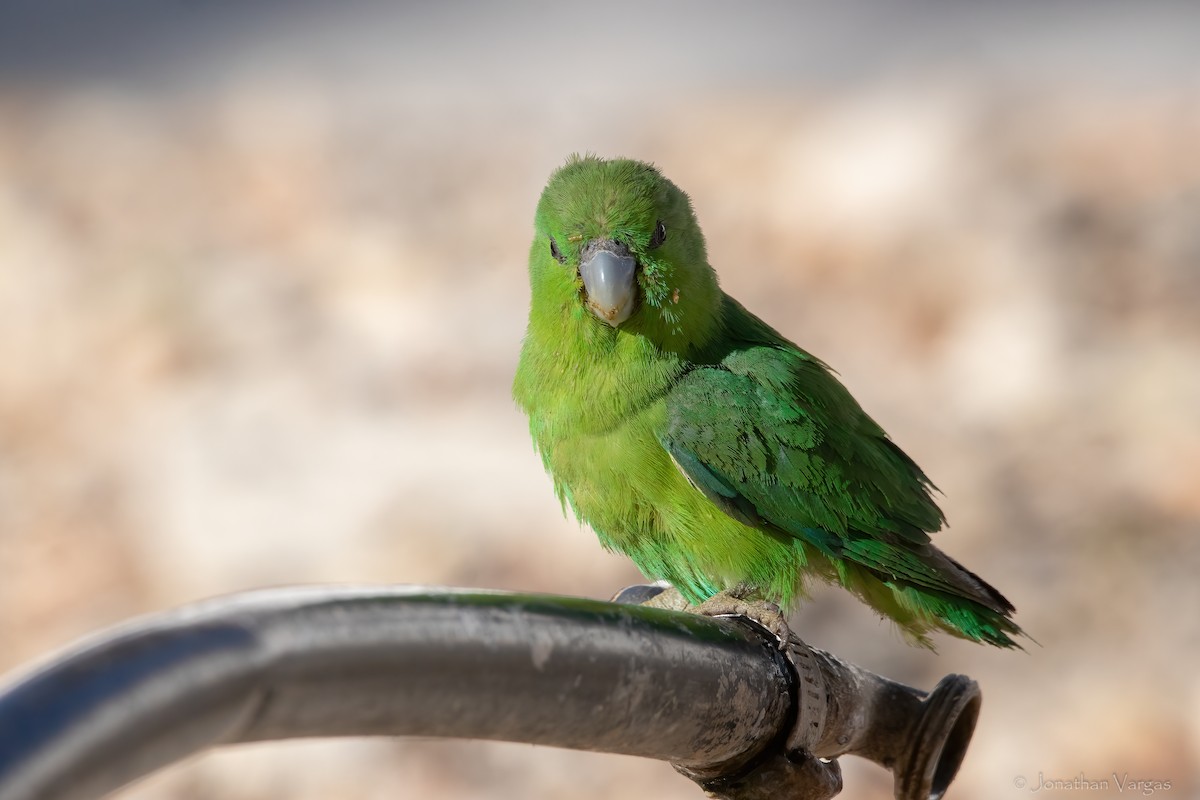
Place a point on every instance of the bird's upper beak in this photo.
(608, 270)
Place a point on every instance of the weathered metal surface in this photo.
(349, 662)
(920, 737)
(841, 709)
(717, 698)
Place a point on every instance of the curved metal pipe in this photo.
(389, 661)
(716, 697)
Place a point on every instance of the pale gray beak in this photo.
(608, 279)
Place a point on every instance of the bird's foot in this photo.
(762, 612)
(654, 595)
(736, 602)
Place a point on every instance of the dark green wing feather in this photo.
(772, 438)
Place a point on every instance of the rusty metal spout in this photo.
(840, 709)
(920, 738)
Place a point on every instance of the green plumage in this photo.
(702, 444)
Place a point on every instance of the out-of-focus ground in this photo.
(262, 291)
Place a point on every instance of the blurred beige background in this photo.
(262, 290)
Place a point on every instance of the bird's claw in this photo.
(761, 612)
(729, 603)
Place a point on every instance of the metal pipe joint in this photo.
(840, 709)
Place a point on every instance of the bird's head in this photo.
(617, 250)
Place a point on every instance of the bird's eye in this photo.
(554, 251)
(659, 236)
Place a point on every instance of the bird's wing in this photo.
(775, 441)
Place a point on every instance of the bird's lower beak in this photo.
(608, 279)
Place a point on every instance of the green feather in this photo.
(705, 446)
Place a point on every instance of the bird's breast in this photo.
(618, 480)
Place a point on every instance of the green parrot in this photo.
(698, 441)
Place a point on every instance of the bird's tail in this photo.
(959, 602)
